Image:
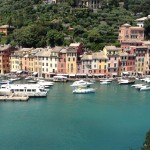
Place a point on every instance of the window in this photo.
(46, 64)
(71, 67)
(108, 65)
(73, 58)
(100, 67)
(68, 59)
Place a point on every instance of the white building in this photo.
(140, 21)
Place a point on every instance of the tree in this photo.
(146, 145)
(29, 36)
(147, 28)
(55, 38)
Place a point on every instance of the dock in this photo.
(14, 97)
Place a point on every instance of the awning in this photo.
(72, 75)
(19, 71)
(62, 74)
(114, 74)
(52, 73)
(59, 77)
(81, 74)
(35, 73)
(90, 75)
(98, 74)
(13, 70)
(140, 72)
(126, 73)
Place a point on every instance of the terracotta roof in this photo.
(123, 54)
(86, 57)
(112, 48)
(44, 53)
(99, 55)
(57, 49)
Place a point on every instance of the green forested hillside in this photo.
(38, 24)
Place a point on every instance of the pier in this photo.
(14, 97)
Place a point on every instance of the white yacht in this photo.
(137, 85)
(44, 83)
(125, 81)
(145, 88)
(32, 81)
(105, 81)
(23, 89)
(28, 78)
(14, 79)
(81, 83)
(83, 90)
(60, 78)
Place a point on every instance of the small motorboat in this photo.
(136, 85)
(81, 83)
(46, 84)
(145, 88)
(29, 78)
(105, 81)
(5, 82)
(14, 79)
(32, 81)
(126, 81)
(83, 90)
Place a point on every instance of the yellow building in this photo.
(71, 61)
(16, 61)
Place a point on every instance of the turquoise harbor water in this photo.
(116, 117)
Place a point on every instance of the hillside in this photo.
(38, 24)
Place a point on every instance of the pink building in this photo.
(113, 59)
(131, 60)
(125, 45)
(62, 61)
(128, 32)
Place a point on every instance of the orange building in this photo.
(5, 52)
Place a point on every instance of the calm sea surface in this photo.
(116, 117)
